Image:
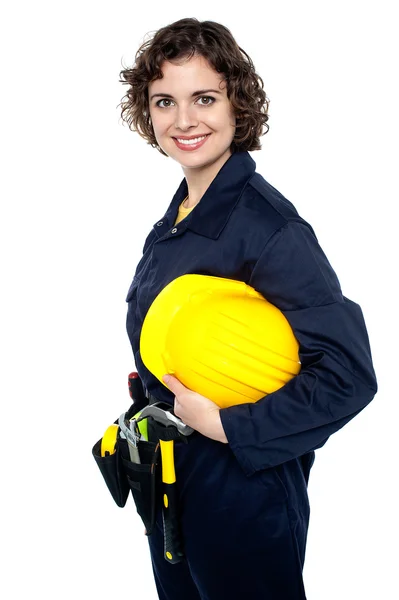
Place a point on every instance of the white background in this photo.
(79, 195)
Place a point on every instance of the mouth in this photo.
(191, 143)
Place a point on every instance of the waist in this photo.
(153, 399)
(152, 436)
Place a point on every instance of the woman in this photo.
(195, 97)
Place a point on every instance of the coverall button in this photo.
(160, 223)
(174, 230)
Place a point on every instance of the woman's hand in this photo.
(196, 411)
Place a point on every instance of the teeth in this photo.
(193, 141)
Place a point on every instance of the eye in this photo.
(207, 98)
(163, 100)
(208, 101)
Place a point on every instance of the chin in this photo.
(197, 159)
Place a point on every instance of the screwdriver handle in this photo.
(136, 390)
(137, 394)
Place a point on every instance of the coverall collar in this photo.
(210, 215)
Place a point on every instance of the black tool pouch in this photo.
(111, 466)
(122, 475)
(113, 472)
(144, 480)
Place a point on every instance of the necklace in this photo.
(186, 198)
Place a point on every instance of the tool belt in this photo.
(143, 479)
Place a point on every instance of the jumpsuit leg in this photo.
(173, 582)
(243, 537)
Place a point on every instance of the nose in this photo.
(186, 117)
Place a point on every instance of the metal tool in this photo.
(129, 431)
(161, 412)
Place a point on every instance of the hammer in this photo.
(171, 428)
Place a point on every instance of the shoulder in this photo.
(268, 205)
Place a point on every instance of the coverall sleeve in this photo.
(337, 378)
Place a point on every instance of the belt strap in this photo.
(152, 399)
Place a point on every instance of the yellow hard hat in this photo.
(220, 338)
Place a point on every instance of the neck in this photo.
(199, 179)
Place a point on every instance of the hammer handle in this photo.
(173, 551)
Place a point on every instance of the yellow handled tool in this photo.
(173, 551)
(108, 441)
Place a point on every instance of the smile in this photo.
(191, 144)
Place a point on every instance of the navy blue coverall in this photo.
(244, 505)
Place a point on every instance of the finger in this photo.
(173, 384)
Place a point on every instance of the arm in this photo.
(337, 378)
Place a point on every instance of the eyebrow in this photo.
(197, 93)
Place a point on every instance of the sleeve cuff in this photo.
(229, 422)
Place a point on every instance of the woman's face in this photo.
(190, 102)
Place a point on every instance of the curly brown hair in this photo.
(213, 41)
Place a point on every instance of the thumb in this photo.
(173, 384)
